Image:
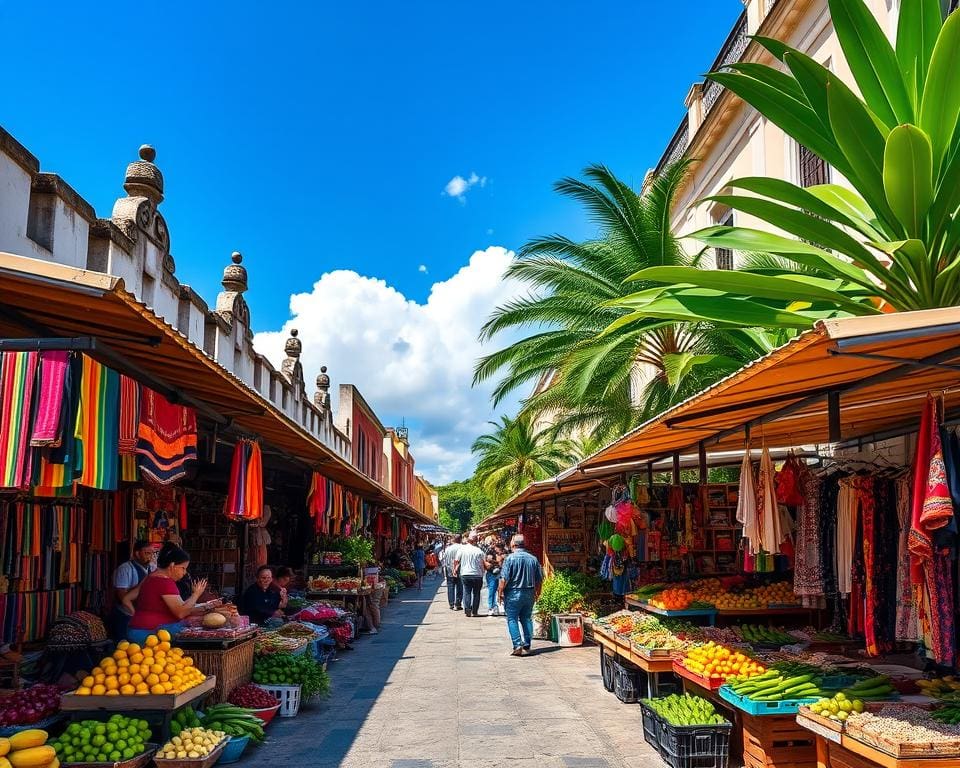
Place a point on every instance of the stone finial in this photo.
(235, 275)
(294, 346)
(143, 178)
(322, 398)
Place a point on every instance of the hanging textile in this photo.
(129, 415)
(808, 566)
(47, 426)
(17, 377)
(907, 624)
(845, 535)
(771, 534)
(166, 438)
(245, 490)
(98, 425)
(56, 467)
(929, 508)
(260, 538)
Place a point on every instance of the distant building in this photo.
(426, 499)
(400, 464)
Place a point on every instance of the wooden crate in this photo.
(774, 741)
(232, 667)
(844, 758)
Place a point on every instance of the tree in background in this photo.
(581, 335)
(514, 455)
(463, 504)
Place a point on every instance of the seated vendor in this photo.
(260, 601)
(158, 604)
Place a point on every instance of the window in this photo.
(812, 169)
(40, 219)
(724, 256)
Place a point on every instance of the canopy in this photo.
(94, 312)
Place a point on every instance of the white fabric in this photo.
(747, 504)
(771, 534)
(846, 519)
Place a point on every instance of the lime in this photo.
(98, 741)
(120, 744)
(857, 705)
(115, 755)
(128, 753)
(100, 730)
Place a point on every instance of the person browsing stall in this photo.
(521, 578)
(281, 580)
(260, 601)
(126, 578)
(158, 602)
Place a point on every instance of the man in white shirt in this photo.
(448, 561)
(127, 576)
(469, 567)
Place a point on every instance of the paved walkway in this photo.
(435, 689)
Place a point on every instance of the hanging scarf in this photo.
(17, 376)
(931, 497)
(771, 533)
(47, 427)
(245, 491)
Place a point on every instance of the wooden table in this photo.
(653, 666)
(836, 749)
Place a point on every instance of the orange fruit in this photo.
(98, 690)
(128, 690)
(113, 692)
(157, 690)
(83, 690)
(151, 641)
(88, 682)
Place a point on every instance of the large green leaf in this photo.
(772, 77)
(721, 310)
(940, 105)
(847, 202)
(803, 225)
(802, 198)
(862, 144)
(681, 365)
(753, 286)
(908, 176)
(872, 61)
(793, 117)
(917, 29)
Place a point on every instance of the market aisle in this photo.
(435, 689)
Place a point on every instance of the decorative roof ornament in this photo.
(235, 274)
(291, 367)
(322, 398)
(137, 214)
(230, 303)
(143, 178)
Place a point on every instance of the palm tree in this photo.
(576, 290)
(512, 456)
(891, 244)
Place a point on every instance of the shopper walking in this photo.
(492, 563)
(419, 558)
(520, 580)
(454, 586)
(469, 567)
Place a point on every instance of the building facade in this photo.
(426, 499)
(727, 139)
(42, 217)
(400, 464)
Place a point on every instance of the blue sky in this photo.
(321, 137)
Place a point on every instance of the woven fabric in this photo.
(17, 377)
(129, 415)
(166, 438)
(98, 426)
(48, 427)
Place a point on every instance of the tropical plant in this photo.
(558, 594)
(594, 387)
(893, 243)
(514, 455)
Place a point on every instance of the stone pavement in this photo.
(435, 690)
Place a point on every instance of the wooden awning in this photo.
(47, 300)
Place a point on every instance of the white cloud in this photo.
(458, 186)
(422, 269)
(410, 360)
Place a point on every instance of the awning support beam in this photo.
(893, 359)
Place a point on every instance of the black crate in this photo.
(651, 727)
(606, 669)
(627, 684)
(695, 746)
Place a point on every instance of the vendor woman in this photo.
(158, 602)
(260, 601)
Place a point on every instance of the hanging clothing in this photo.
(98, 425)
(747, 504)
(928, 509)
(245, 490)
(47, 426)
(129, 415)
(771, 533)
(907, 616)
(166, 438)
(17, 378)
(846, 525)
(56, 467)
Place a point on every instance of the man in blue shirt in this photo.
(520, 580)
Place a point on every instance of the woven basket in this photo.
(233, 667)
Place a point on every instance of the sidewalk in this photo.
(435, 689)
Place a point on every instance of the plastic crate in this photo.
(288, 696)
(785, 707)
(695, 746)
(626, 683)
(606, 669)
(651, 727)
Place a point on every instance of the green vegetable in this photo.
(286, 669)
(685, 710)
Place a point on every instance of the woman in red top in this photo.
(158, 601)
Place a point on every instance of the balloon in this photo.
(611, 513)
(617, 542)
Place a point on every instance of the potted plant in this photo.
(558, 595)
